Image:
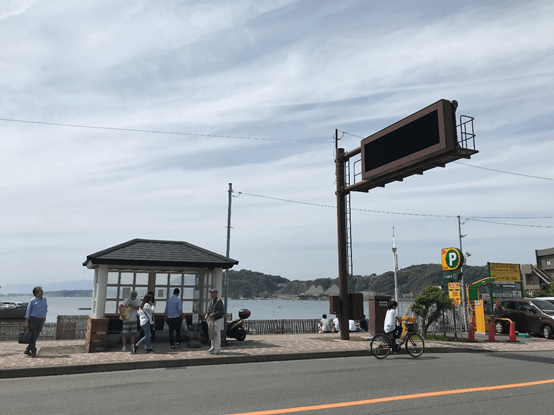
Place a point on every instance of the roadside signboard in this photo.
(505, 272)
(454, 292)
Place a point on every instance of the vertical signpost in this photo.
(452, 260)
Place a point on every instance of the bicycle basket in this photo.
(411, 327)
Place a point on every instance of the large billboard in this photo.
(426, 133)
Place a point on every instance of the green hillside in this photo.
(410, 280)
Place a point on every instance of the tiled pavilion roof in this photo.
(146, 252)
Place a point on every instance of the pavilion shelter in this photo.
(147, 265)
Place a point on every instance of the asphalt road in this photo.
(432, 384)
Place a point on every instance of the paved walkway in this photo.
(59, 357)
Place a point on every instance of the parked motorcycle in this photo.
(235, 328)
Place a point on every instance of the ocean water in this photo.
(261, 310)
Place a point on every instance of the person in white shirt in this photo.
(391, 318)
(336, 325)
(325, 325)
(146, 314)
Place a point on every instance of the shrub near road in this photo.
(429, 306)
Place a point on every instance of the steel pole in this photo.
(342, 248)
(463, 290)
(227, 253)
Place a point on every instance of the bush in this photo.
(429, 306)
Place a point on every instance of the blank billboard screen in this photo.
(409, 139)
(424, 134)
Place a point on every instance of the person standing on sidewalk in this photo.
(130, 325)
(146, 314)
(173, 313)
(216, 312)
(35, 318)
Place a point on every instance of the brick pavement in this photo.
(57, 357)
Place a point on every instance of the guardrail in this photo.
(67, 327)
(294, 326)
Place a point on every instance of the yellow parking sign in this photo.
(452, 259)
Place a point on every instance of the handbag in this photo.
(125, 313)
(26, 337)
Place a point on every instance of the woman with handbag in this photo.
(146, 316)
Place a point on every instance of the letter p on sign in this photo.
(452, 259)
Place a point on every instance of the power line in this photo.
(353, 135)
(511, 224)
(159, 132)
(505, 172)
(476, 167)
(237, 138)
(475, 218)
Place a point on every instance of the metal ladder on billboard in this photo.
(348, 221)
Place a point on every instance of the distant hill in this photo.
(24, 289)
(252, 284)
(410, 281)
(413, 279)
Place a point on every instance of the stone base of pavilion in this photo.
(97, 334)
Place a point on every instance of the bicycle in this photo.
(382, 344)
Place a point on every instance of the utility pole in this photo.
(395, 263)
(227, 252)
(463, 288)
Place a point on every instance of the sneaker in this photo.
(173, 346)
(178, 345)
(149, 350)
(123, 348)
(28, 352)
(134, 349)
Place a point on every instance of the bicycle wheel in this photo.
(415, 345)
(380, 346)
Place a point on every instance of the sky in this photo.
(123, 120)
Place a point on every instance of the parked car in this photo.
(549, 299)
(530, 315)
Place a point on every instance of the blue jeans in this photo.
(147, 336)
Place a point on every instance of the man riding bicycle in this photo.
(391, 328)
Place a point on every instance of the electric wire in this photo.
(473, 218)
(239, 138)
(161, 132)
(504, 172)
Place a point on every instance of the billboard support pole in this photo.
(342, 248)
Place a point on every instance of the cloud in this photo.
(255, 91)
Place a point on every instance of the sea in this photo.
(260, 309)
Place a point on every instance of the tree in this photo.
(545, 291)
(429, 305)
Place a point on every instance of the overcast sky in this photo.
(250, 93)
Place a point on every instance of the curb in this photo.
(219, 360)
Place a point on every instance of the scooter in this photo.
(235, 328)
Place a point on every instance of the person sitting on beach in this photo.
(325, 325)
(336, 325)
(362, 325)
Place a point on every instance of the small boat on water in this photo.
(11, 310)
